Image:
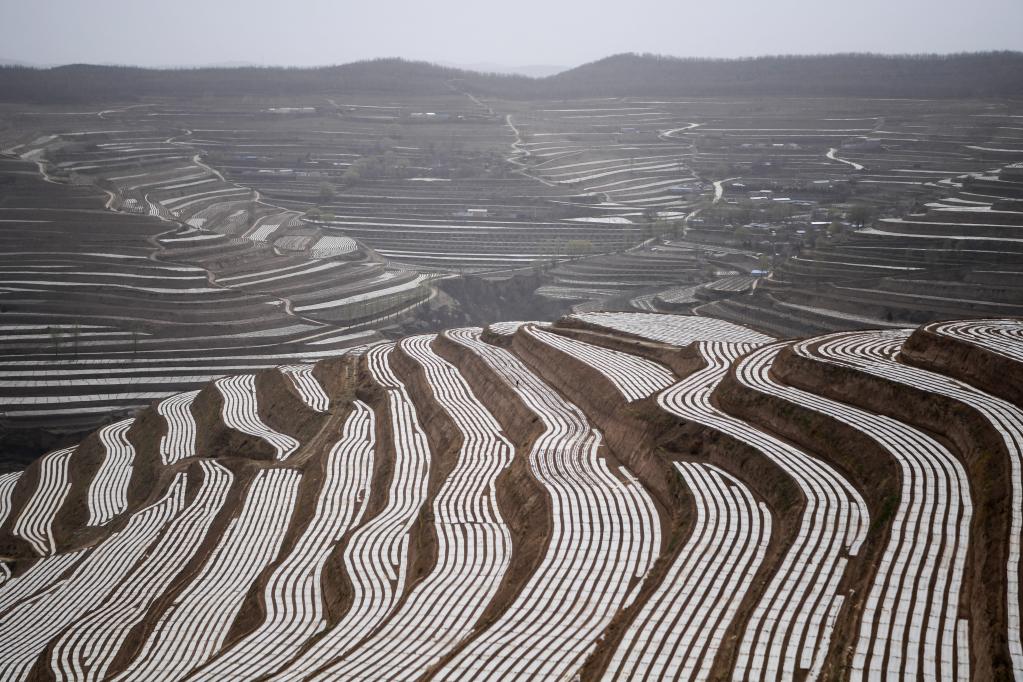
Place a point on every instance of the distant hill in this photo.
(989, 74)
(5, 61)
(531, 70)
(87, 82)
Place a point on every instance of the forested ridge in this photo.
(988, 74)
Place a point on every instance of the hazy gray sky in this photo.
(520, 32)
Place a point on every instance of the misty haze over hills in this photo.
(987, 74)
(454, 341)
(531, 70)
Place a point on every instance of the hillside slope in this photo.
(616, 495)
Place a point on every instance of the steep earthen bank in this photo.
(216, 439)
(445, 441)
(253, 609)
(242, 472)
(524, 503)
(682, 360)
(982, 451)
(994, 373)
(338, 592)
(283, 410)
(651, 439)
(855, 457)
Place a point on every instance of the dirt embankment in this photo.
(994, 373)
(524, 503)
(355, 381)
(982, 451)
(148, 468)
(648, 439)
(283, 410)
(149, 480)
(855, 457)
(337, 587)
(632, 431)
(344, 379)
(445, 440)
(13, 548)
(683, 360)
(244, 471)
(70, 529)
(339, 377)
(216, 439)
(42, 672)
(69, 526)
(318, 434)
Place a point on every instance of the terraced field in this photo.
(350, 206)
(958, 255)
(612, 496)
(103, 312)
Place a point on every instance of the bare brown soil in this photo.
(638, 435)
(982, 451)
(215, 439)
(243, 473)
(70, 523)
(281, 408)
(653, 439)
(855, 457)
(311, 458)
(337, 585)
(523, 502)
(445, 440)
(994, 373)
(338, 376)
(683, 360)
(13, 548)
(145, 435)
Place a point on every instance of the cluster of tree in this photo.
(985, 74)
(982, 74)
(90, 83)
(386, 165)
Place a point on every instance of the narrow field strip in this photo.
(194, 626)
(909, 619)
(789, 628)
(35, 522)
(376, 557)
(7, 483)
(240, 412)
(41, 576)
(636, 378)
(293, 596)
(678, 330)
(603, 542)
(680, 628)
(474, 543)
(874, 352)
(108, 490)
(26, 629)
(85, 650)
(309, 389)
(1004, 337)
(179, 441)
